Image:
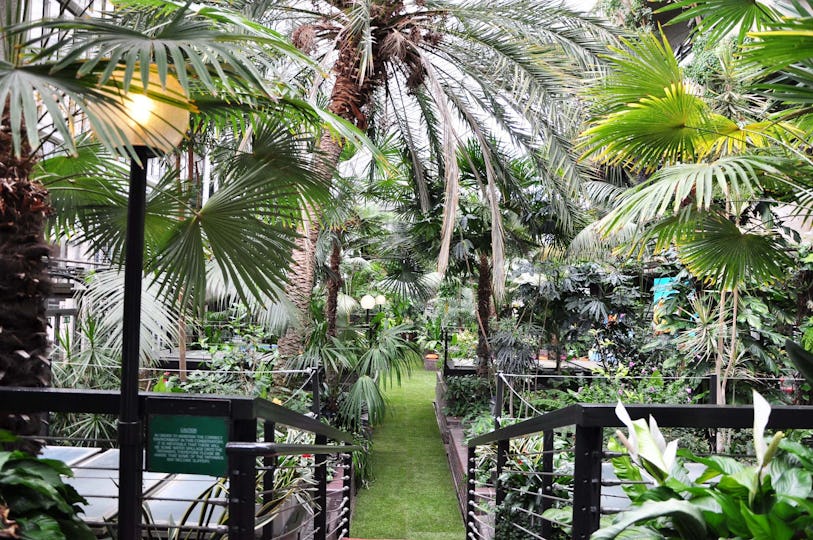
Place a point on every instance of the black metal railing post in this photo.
(316, 388)
(445, 353)
(498, 399)
(471, 471)
(586, 482)
(502, 459)
(547, 480)
(241, 495)
(270, 464)
(320, 518)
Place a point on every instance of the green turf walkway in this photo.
(411, 496)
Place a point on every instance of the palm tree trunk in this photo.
(24, 285)
(346, 101)
(334, 283)
(301, 276)
(483, 315)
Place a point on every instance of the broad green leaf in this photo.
(41, 527)
(802, 359)
(693, 518)
(743, 484)
(715, 466)
(758, 524)
(793, 483)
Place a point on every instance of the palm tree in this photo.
(431, 72)
(62, 77)
(536, 212)
(711, 180)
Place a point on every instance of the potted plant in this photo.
(431, 340)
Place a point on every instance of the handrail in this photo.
(32, 400)
(695, 416)
(274, 449)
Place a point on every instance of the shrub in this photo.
(467, 395)
(772, 498)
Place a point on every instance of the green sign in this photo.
(187, 444)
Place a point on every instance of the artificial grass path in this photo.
(411, 496)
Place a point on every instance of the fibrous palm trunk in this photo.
(483, 315)
(24, 285)
(347, 99)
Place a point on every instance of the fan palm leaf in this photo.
(716, 19)
(259, 201)
(652, 131)
(71, 66)
(735, 178)
(730, 257)
(103, 299)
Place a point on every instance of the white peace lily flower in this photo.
(647, 445)
(762, 410)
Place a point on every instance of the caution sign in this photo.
(187, 444)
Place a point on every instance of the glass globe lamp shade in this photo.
(380, 300)
(367, 301)
(156, 117)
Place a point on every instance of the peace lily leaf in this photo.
(793, 483)
(742, 484)
(764, 528)
(717, 465)
(712, 510)
(757, 524)
(733, 524)
(693, 518)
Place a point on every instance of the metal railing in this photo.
(252, 507)
(575, 486)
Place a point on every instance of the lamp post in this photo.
(151, 127)
(380, 300)
(367, 303)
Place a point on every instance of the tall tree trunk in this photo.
(483, 315)
(334, 283)
(24, 284)
(346, 101)
(301, 275)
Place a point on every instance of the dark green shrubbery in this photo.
(467, 395)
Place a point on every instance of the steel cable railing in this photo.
(564, 488)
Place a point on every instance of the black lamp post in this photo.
(151, 127)
(130, 428)
(367, 303)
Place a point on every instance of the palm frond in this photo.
(104, 300)
(652, 131)
(716, 19)
(695, 184)
(720, 252)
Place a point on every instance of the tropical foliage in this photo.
(769, 499)
(35, 502)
